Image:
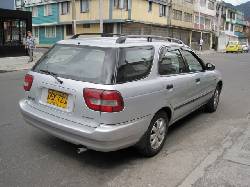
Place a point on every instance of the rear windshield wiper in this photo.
(52, 74)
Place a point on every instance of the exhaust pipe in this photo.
(82, 149)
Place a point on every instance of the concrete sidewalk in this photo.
(17, 63)
(227, 165)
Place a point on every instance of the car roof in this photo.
(111, 42)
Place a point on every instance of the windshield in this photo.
(83, 63)
(233, 43)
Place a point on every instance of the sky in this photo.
(236, 2)
(7, 4)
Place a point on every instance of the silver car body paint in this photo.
(104, 131)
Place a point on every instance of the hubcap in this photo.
(158, 133)
(216, 98)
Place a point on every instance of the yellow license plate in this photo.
(57, 98)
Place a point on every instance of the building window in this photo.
(211, 5)
(116, 3)
(227, 26)
(177, 14)
(84, 5)
(207, 23)
(162, 10)
(232, 28)
(189, 1)
(35, 32)
(126, 6)
(86, 26)
(203, 3)
(122, 4)
(188, 17)
(150, 6)
(50, 31)
(65, 8)
(47, 10)
(196, 19)
(34, 11)
(202, 20)
(69, 30)
(231, 15)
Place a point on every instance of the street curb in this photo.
(9, 71)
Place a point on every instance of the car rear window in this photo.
(83, 63)
(134, 63)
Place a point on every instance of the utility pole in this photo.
(73, 2)
(199, 5)
(101, 15)
(219, 19)
(170, 12)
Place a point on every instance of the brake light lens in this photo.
(28, 80)
(103, 100)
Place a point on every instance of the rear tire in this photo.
(155, 137)
(212, 104)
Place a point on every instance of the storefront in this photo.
(13, 27)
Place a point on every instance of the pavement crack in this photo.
(235, 162)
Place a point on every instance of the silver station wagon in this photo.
(107, 93)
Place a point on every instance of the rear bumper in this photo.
(103, 138)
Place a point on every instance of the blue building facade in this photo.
(45, 22)
(46, 26)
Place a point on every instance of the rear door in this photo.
(176, 80)
(61, 76)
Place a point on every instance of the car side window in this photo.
(171, 62)
(134, 63)
(193, 63)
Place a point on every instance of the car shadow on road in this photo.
(108, 160)
(91, 158)
(185, 121)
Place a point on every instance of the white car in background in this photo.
(245, 47)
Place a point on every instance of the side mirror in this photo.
(210, 67)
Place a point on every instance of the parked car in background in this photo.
(109, 93)
(234, 47)
(245, 47)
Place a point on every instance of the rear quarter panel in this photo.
(142, 99)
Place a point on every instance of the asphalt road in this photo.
(193, 153)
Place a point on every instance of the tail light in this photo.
(103, 100)
(28, 80)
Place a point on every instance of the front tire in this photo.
(155, 137)
(212, 104)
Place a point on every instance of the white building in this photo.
(204, 22)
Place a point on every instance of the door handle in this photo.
(170, 86)
(198, 80)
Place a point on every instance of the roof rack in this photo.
(149, 38)
(96, 34)
(122, 38)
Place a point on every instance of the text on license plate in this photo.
(57, 98)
